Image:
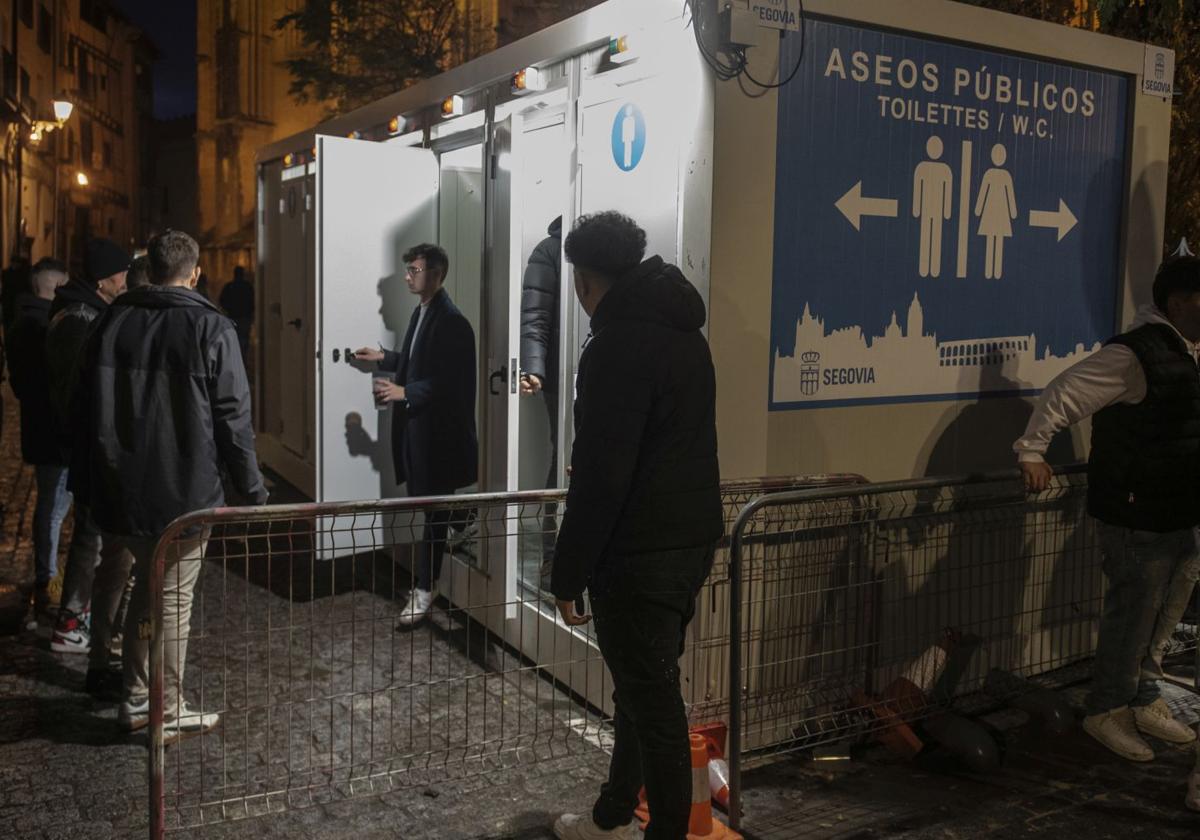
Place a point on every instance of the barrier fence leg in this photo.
(156, 793)
(735, 681)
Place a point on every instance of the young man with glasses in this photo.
(432, 392)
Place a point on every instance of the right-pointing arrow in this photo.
(854, 206)
(1062, 218)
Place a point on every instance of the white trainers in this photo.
(134, 716)
(581, 827)
(1116, 730)
(188, 724)
(1157, 720)
(419, 602)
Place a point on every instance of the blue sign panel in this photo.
(628, 137)
(947, 219)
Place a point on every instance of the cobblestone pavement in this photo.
(65, 771)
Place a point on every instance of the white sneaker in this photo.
(1116, 730)
(1157, 720)
(188, 724)
(581, 827)
(134, 716)
(419, 602)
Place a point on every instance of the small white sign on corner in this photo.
(1158, 73)
(776, 14)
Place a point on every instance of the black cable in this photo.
(799, 59)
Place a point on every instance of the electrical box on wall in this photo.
(742, 20)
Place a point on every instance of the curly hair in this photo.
(607, 243)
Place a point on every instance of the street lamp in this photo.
(81, 178)
(62, 113)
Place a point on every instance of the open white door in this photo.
(374, 201)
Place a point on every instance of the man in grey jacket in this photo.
(1142, 391)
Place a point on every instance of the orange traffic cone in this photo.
(701, 825)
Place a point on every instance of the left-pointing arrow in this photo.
(854, 205)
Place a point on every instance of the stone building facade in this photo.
(59, 187)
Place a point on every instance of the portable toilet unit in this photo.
(905, 218)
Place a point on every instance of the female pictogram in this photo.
(996, 208)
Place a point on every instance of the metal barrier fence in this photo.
(854, 608)
(293, 642)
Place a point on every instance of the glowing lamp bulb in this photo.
(81, 179)
(452, 106)
(528, 80)
(620, 49)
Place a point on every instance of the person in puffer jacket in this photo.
(73, 313)
(643, 512)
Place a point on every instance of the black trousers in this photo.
(642, 605)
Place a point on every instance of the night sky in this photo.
(171, 25)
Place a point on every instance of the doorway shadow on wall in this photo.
(360, 443)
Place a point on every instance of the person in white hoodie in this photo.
(1142, 391)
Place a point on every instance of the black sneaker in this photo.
(105, 684)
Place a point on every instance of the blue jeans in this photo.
(1138, 567)
(53, 502)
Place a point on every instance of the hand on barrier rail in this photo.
(1037, 475)
(566, 609)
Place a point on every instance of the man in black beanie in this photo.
(76, 307)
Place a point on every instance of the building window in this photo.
(85, 141)
(94, 12)
(25, 97)
(10, 75)
(85, 75)
(27, 13)
(108, 157)
(45, 32)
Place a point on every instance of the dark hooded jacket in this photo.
(75, 308)
(539, 309)
(645, 477)
(30, 381)
(164, 396)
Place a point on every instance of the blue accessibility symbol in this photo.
(628, 137)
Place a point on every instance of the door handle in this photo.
(337, 355)
(295, 322)
(496, 381)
